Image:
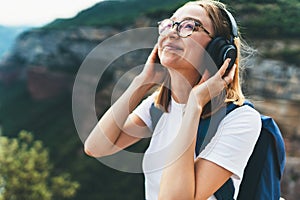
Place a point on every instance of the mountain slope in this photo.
(115, 13)
(267, 18)
(8, 36)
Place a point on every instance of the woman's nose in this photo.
(172, 33)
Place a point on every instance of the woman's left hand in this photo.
(208, 88)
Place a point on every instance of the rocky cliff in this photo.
(57, 49)
(54, 52)
(274, 79)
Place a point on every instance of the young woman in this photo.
(172, 171)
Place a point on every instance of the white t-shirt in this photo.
(230, 148)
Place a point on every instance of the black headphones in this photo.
(220, 48)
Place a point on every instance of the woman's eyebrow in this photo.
(191, 18)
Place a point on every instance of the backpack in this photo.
(264, 169)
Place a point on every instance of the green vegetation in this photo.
(51, 122)
(26, 172)
(268, 18)
(289, 55)
(114, 13)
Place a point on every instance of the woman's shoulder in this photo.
(244, 111)
(243, 117)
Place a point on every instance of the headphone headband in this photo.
(234, 29)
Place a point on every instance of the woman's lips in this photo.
(172, 47)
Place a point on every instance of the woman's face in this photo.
(185, 53)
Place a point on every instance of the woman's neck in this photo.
(182, 84)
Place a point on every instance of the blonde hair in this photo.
(222, 27)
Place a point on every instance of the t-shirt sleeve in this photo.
(234, 141)
(143, 110)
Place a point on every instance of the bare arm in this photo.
(209, 178)
(116, 130)
(185, 178)
(109, 135)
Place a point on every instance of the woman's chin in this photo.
(170, 58)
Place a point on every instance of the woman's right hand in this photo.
(153, 72)
(210, 87)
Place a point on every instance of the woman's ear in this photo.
(205, 76)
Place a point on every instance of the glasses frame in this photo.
(196, 24)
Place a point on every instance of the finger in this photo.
(229, 78)
(231, 72)
(154, 54)
(224, 67)
(225, 82)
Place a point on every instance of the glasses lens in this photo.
(165, 26)
(186, 28)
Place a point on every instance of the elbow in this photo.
(87, 151)
(93, 150)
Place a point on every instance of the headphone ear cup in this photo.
(213, 49)
(229, 51)
(219, 49)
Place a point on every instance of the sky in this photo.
(39, 12)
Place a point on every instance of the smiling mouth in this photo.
(174, 48)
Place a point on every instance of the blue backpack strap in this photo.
(155, 114)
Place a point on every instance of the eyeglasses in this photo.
(184, 28)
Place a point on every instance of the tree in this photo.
(26, 172)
